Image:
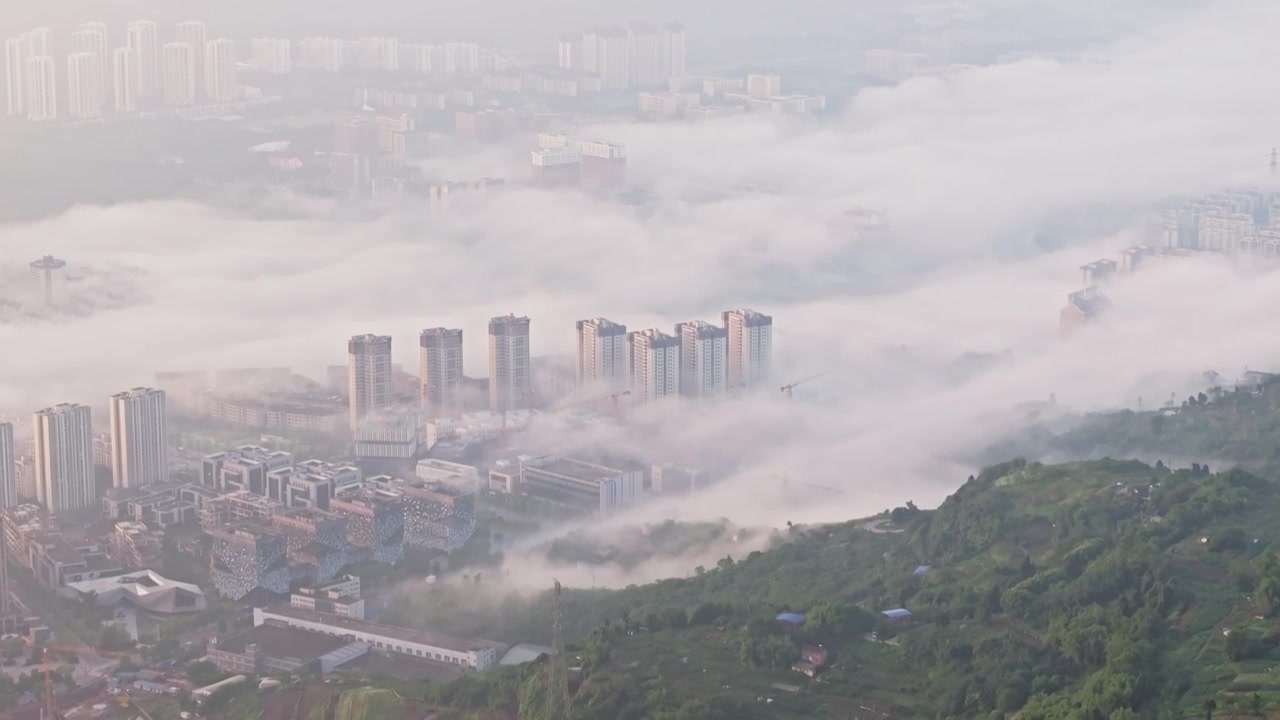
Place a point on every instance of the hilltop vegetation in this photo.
(1092, 590)
(1238, 426)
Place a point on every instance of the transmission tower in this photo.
(558, 672)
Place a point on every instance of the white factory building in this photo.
(479, 655)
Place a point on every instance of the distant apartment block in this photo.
(63, 452)
(750, 347)
(139, 438)
(602, 353)
(509, 367)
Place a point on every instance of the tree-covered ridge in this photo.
(1084, 590)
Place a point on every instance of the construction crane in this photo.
(614, 398)
(786, 389)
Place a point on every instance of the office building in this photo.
(41, 99)
(369, 385)
(220, 70)
(750, 349)
(194, 34)
(509, 371)
(124, 79)
(142, 39)
(64, 458)
(8, 468)
(91, 38)
(703, 349)
(242, 468)
(438, 515)
(339, 596)
(271, 55)
(248, 558)
(139, 438)
(375, 524)
(602, 353)
(581, 485)
(85, 94)
(49, 279)
(440, 371)
(655, 365)
(179, 65)
(387, 440)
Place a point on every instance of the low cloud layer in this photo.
(979, 175)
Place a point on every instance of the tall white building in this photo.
(703, 348)
(41, 98)
(64, 458)
(193, 33)
(613, 61)
(750, 350)
(646, 63)
(602, 353)
(142, 38)
(324, 54)
(220, 70)
(8, 468)
(86, 95)
(124, 79)
(674, 50)
(655, 365)
(179, 61)
(569, 52)
(440, 371)
(272, 55)
(369, 384)
(139, 438)
(509, 366)
(17, 51)
(91, 37)
(379, 53)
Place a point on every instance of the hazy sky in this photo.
(968, 169)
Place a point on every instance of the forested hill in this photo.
(1098, 590)
(1232, 426)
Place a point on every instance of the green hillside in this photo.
(1239, 426)
(1085, 590)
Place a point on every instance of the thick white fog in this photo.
(968, 170)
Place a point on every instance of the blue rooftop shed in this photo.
(896, 614)
(921, 569)
(790, 621)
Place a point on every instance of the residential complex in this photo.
(750, 347)
(602, 358)
(139, 438)
(703, 350)
(63, 451)
(655, 365)
(509, 371)
(368, 375)
(440, 372)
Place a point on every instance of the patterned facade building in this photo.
(248, 558)
(437, 515)
(375, 524)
